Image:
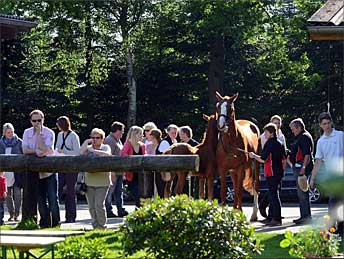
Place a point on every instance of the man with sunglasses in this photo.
(39, 140)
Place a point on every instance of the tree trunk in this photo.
(216, 71)
(131, 119)
(88, 67)
(22, 163)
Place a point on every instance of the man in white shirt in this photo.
(330, 147)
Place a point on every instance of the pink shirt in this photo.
(30, 139)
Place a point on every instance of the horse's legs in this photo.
(180, 183)
(201, 191)
(240, 174)
(168, 186)
(254, 216)
(210, 182)
(235, 180)
(167, 190)
(223, 185)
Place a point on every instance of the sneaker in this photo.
(16, 218)
(110, 214)
(122, 213)
(10, 218)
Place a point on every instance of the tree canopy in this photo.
(83, 56)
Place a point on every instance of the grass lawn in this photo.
(112, 240)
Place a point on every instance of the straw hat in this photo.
(303, 183)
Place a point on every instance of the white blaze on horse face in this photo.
(222, 120)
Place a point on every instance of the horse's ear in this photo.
(206, 117)
(219, 96)
(234, 97)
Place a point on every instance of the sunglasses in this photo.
(95, 137)
(146, 130)
(37, 120)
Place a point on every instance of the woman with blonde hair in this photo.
(134, 146)
(97, 183)
(10, 143)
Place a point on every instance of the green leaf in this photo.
(285, 243)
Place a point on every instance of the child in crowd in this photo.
(3, 194)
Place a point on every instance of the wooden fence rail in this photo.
(22, 163)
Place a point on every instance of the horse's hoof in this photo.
(253, 219)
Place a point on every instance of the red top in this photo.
(3, 186)
(129, 151)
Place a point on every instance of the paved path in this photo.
(289, 211)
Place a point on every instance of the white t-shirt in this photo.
(330, 147)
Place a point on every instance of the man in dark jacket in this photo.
(301, 158)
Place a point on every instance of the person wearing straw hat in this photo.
(301, 158)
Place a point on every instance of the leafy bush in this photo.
(185, 228)
(28, 224)
(319, 241)
(79, 247)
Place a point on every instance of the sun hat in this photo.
(302, 182)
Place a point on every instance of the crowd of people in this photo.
(42, 190)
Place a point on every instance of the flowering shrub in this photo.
(320, 241)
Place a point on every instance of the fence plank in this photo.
(22, 163)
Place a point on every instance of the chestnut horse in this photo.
(236, 139)
(207, 154)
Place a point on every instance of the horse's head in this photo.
(225, 111)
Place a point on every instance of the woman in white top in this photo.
(97, 183)
(11, 144)
(67, 143)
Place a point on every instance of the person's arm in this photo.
(264, 155)
(83, 148)
(255, 156)
(315, 170)
(105, 152)
(305, 147)
(44, 148)
(25, 147)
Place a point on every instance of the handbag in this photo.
(83, 185)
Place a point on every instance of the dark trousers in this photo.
(134, 190)
(305, 205)
(116, 189)
(274, 199)
(49, 212)
(30, 196)
(2, 210)
(68, 180)
(160, 184)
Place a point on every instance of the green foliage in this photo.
(74, 62)
(314, 242)
(28, 224)
(185, 228)
(79, 247)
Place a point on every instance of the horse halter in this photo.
(227, 119)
